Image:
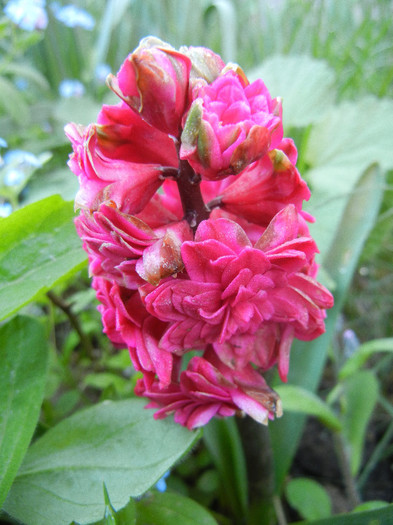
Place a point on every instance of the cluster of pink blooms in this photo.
(191, 216)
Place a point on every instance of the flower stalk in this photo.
(188, 183)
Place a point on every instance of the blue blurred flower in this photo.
(22, 158)
(351, 342)
(71, 88)
(161, 483)
(27, 14)
(72, 16)
(101, 72)
(21, 83)
(5, 209)
(3, 143)
(13, 177)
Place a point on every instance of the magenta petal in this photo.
(250, 406)
(225, 231)
(283, 353)
(200, 258)
(282, 228)
(202, 415)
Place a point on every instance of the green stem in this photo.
(260, 473)
(66, 308)
(343, 460)
(281, 518)
(376, 456)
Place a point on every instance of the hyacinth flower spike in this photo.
(191, 213)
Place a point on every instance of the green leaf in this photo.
(58, 182)
(116, 443)
(308, 358)
(127, 515)
(353, 134)
(309, 498)
(371, 505)
(341, 259)
(102, 380)
(360, 396)
(24, 359)
(114, 12)
(382, 516)
(306, 85)
(227, 19)
(168, 508)
(222, 440)
(79, 110)
(13, 103)
(362, 354)
(351, 137)
(39, 247)
(297, 399)
(124, 516)
(110, 512)
(25, 70)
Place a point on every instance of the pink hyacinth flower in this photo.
(125, 249)
(191, 216)
(264, 188)
(120, 158)
(230, 125)
(235, 289)
(208, 388)
(128, 325)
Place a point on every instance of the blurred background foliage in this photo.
(332, 61)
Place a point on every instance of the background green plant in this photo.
(63, 383)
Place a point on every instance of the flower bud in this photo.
(153, 81)
(206, 65)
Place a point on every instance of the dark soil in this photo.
(316, 458)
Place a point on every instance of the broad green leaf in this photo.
(23, 367)
(353, 134)
(382, 516)
(168, 508)
(306, 85)
(60, 182)
(309, 498)
(351, 137)
(118, 444)
(360, 397)
(39, 247)
(362, 354)
(308, 358)
(223, 442)
(341, 259)
(297, 399)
